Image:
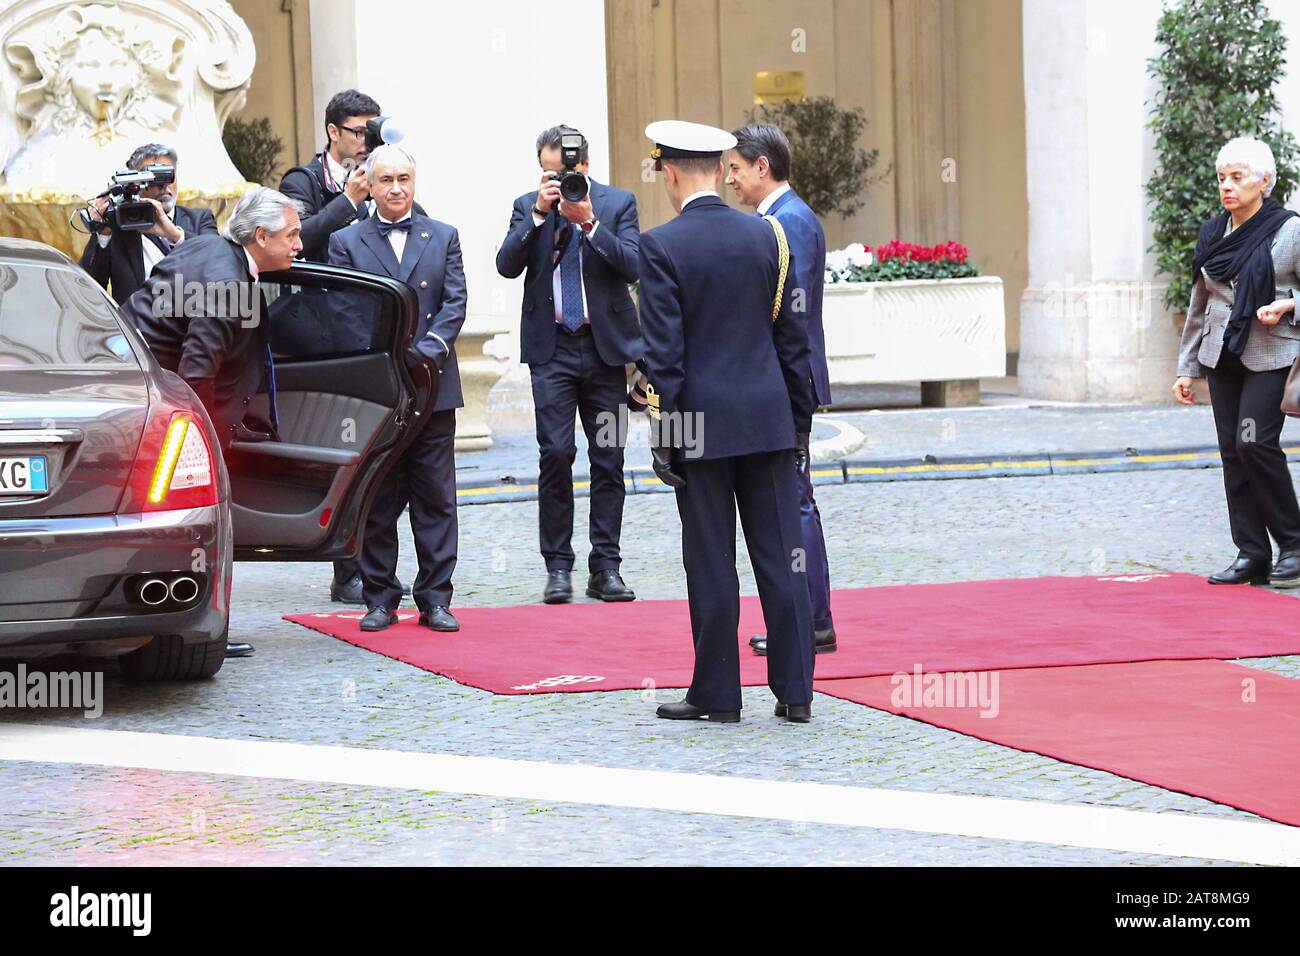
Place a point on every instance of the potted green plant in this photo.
(830, 170)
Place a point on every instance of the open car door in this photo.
(350, 395)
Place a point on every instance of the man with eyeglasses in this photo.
(333, 187)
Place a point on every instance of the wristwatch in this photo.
(588, 225)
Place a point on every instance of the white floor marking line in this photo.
(1103, 828)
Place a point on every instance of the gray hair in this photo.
(1254, 154)
(262, 207)
(550, 139)
(150, 151)
(388, 151)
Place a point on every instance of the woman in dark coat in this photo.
(1241, 335)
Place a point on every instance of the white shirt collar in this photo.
(694, 196)
(252, 266)
(772, 197)
(403, 219)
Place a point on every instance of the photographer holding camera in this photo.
(121, 259)
(578, 240)
(332, 187)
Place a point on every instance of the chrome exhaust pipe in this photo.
(184, 590)
(153, 592)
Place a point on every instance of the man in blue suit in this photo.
(758, 169)
(425, 254)
(578, 329)
(728, 361)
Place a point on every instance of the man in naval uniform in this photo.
(729, 365)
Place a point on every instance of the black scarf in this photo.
(1245, 254)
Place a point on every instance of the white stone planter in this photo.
(931, 330)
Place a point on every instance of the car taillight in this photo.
(174, 468)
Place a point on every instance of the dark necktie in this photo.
(270, 361)
(571, 283)
(160, 242)
(386, 227)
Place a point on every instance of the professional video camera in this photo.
(573, 184)
(382, 130)
(126, 210)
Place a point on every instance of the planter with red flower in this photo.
(906, 313)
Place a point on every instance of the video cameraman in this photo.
(121, 259)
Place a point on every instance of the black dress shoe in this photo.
(681, 710)
(608, 586)
(823, 643)
(1286, 573)
(378, 618)
(239, 649)
(354, 591)
(439, 619)
(795, 713)
(1243, 571)
(559, 587)
(350, 592)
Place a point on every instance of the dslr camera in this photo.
(573, 184)
(382, 130)
(126, 210)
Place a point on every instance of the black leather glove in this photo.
(662, 459)
(802, 453)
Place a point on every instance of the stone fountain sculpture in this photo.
(83, 84)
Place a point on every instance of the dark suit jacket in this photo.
(609, 263)
(324, 212)
(708, 279)
(119, 266)
(431, 265)
(221, 350)
(808, 246)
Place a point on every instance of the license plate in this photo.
(23, 476)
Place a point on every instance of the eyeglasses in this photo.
(358, 131)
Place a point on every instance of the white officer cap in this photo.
(677, 139)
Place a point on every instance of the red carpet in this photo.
(970, 625)
(1209, 728)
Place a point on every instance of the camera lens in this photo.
(133, 214)
(573, 187)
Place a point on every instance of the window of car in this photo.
(319, 321)
(54, 316)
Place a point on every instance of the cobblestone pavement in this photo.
(1012, 426)
(304, 687)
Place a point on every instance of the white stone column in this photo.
(333, 25)
(473, 84)
(1092, 322)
